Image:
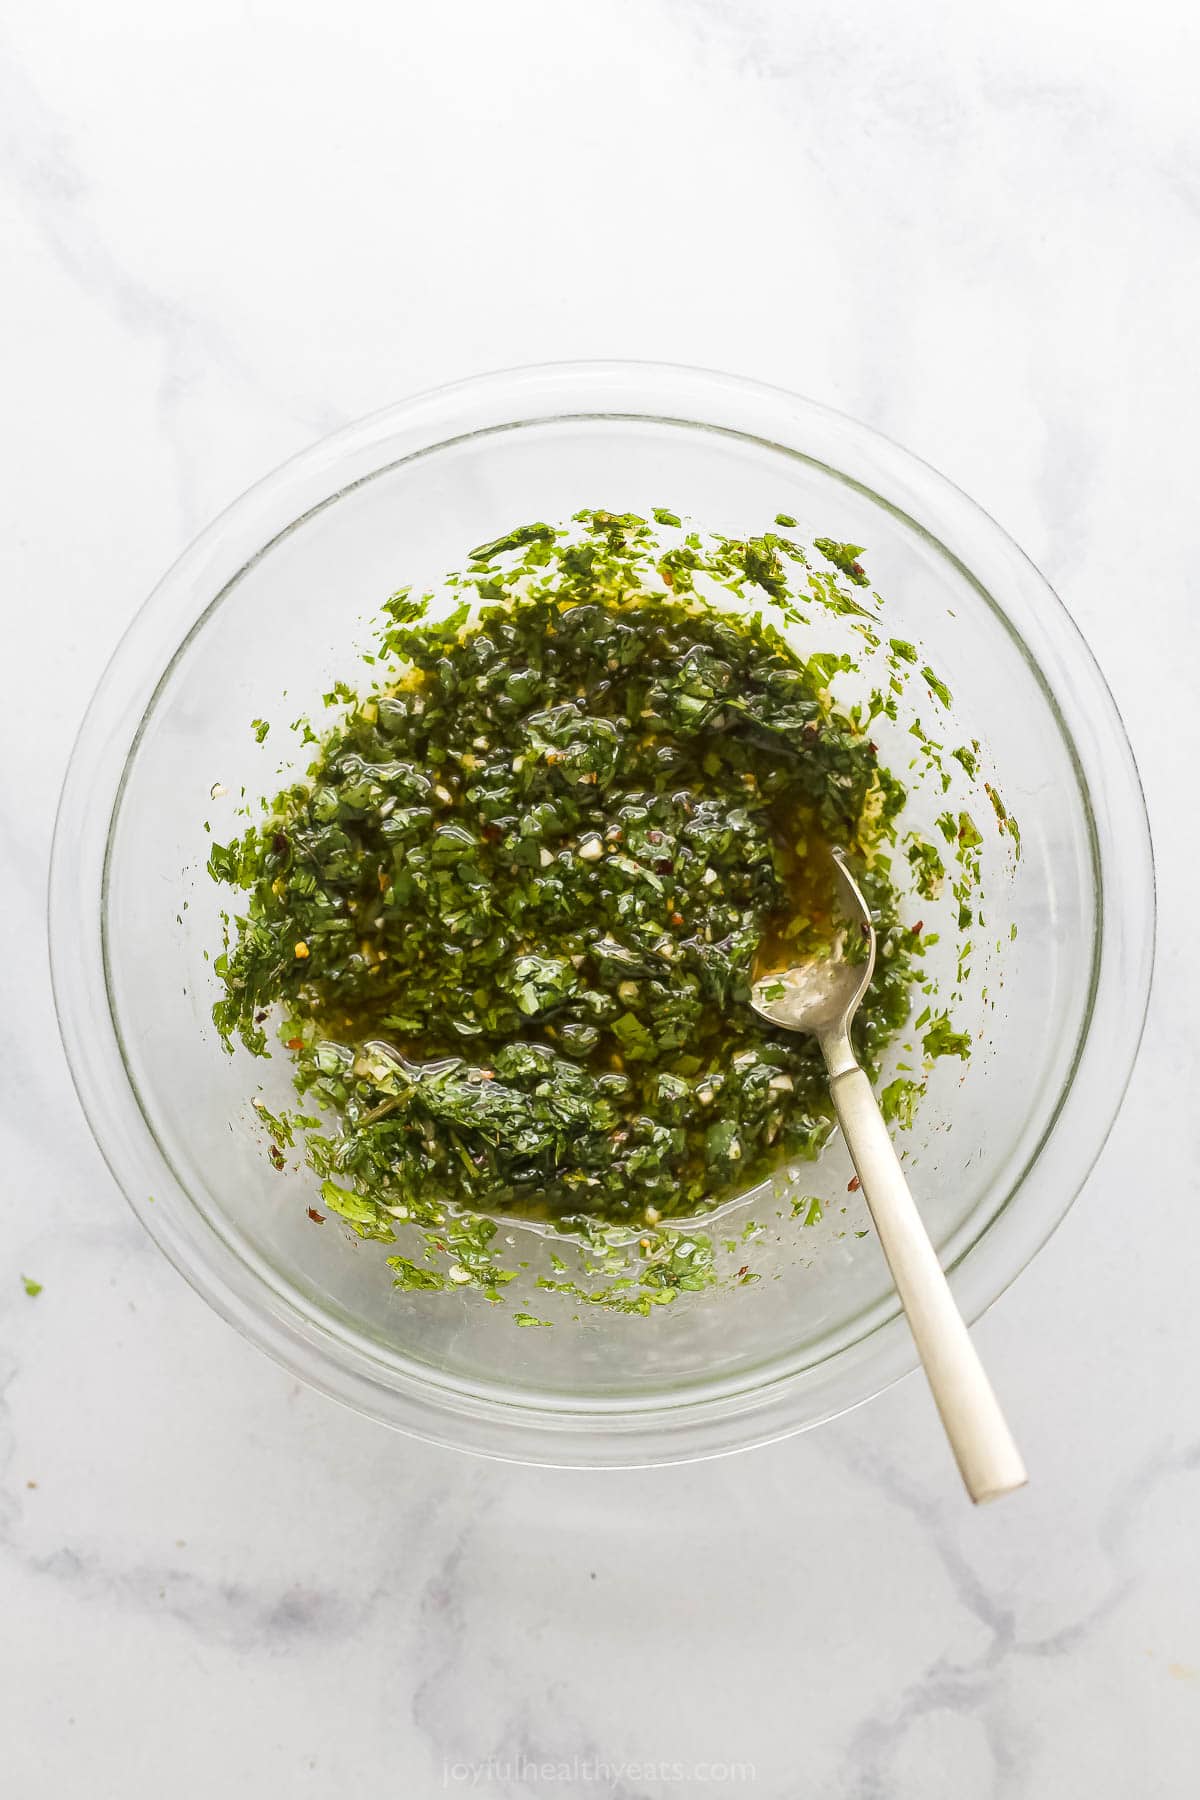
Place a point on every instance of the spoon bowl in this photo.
(822, 994)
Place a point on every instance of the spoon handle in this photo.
(987, 1457)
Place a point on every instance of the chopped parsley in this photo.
(929, 871)
(844, 557)
(505, 925)
(937, 686)
(898, 1101)
(942, 1040)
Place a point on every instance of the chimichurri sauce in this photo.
(510, 915)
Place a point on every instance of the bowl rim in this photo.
(697, 1424)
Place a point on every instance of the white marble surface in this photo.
(225, 228)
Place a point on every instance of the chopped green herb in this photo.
(929, 871)
(510, 918)
(899, 1099)
(942, 1040)
(968, 833)
(513, 540)
(513, 912)
(844, 557)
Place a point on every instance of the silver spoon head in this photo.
(823, 993)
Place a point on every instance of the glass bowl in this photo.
(265, 611)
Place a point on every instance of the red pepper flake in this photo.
(667, 577)
(277, 1157)
(918, 928)
(259, 1017)
(487, 1074)
(294, 1044)
(492, 834)
(744, 1270)
(677, 918)
(316, 1217)
(853, 1185)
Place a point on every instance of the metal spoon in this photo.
(821, 996)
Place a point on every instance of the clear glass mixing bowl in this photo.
(266, 609)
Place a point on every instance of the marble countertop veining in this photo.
(225, 229)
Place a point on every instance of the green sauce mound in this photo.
(510, 914)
